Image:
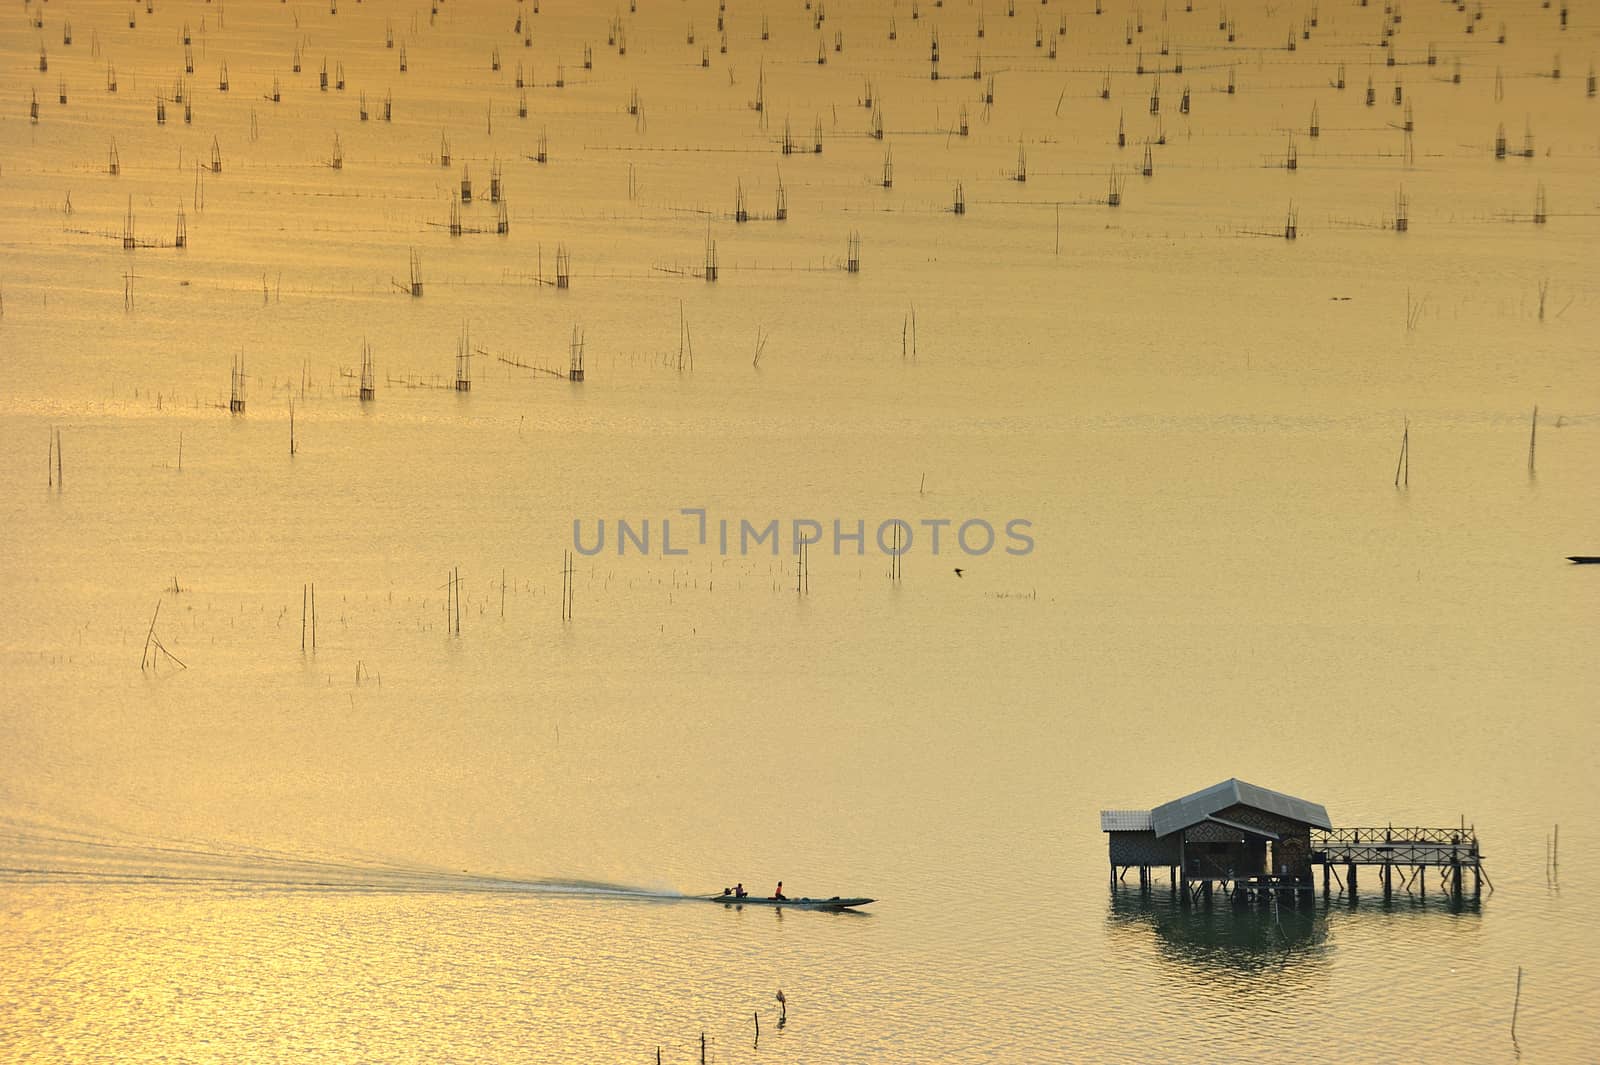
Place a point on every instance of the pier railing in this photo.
(1391, 845)
(1391, 834)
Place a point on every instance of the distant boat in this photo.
(1585, 560)
(835, 903)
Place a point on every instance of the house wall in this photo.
(1142, 848)
(1213, 851)
(1291, 855)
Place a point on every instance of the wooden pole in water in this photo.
(150, 633)
(1516, 1003)
(758, 1029)
(1404, 463)
(1533, 436)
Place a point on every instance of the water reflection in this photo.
(1222, 936)
(1433, 902)
(1245, 938)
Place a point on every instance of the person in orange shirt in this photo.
(779, 893)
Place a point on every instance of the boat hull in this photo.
(835, 903)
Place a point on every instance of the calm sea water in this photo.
(413, 845)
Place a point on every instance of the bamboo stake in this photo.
(1515, 1005)
(1404, 462)
(163, 649)
(1533, 436)
(150, 634)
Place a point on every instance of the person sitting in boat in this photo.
(739, 892)
(726, 892)
(779, 893)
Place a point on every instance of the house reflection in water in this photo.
(1237, 939)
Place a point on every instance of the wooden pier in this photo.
(1406, 853)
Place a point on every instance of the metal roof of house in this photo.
(1181, 813)
(1124, 820)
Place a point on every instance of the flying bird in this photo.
(958, 571)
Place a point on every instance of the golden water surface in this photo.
(457, 826)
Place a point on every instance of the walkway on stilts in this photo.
(1388, 848)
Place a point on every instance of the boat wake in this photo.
(36, 853)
